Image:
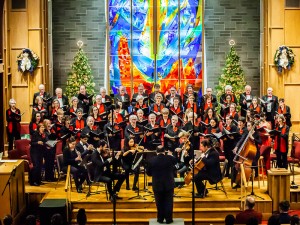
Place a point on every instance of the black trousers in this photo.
(108, 179)
(164, 204)
(281, 159)
(79, 174)
(199, 178)
(36, 156)
(49, 157)
(11, 137)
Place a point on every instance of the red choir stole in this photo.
(13, 121)
(190, 106)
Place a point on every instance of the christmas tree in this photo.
(81, 75)
(232, 75)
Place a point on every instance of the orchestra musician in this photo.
(129, 153)
(281, 142)
(36, 119)
(271, 106)
(245, 100)
(286, 111)
(170, 97)
(38, 147)
(40, 107)
(49, 153)
(13, 119)
(73, 158)
(211, 170)
(43, 94)
(123, 97)
(229, 143)
(183, 153)
(171, 135)
(84, 148)
(152, 138)
(161, 168)
(102, 160)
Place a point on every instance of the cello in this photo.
(245, 155)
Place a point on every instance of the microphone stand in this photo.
(113, 170)
(293, 184)
(193, 180)
(12, 174)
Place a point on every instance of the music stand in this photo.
(136, 164)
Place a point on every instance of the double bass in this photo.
(245, 155)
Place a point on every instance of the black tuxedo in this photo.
(270, 111)
(211, 171)
(103, 173)
(45, 96)
(161, 168)
(245, 106)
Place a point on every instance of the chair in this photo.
(223, 171)
(295, 152)
(90, 170)
(60, 164)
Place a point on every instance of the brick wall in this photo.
(238, 20)
(78, 20)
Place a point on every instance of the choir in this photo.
(90, 129)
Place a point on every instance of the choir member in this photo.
(13, 119)
(78, 122)
(170, 97)
(43, 94)
(254, 106)
(140, 104)
(245, 100)
(229, 143)
(96, 116)
(153, 133)
(157, 106)
(208, 115)
(191, 104)
(154, 93)
(140, 116)
(67, 130)
(62, 99)
(228, 91)
(73, 108)
(225, 105)
(213, 126)
(208, 100)
(40, 107)
(85, 100)
(123, 97)
(133, 130)
(36, 119)
(141, 92)
(171, 140)
(286, 111)
(194, 129)
(189, 92)
(113, 132)
(49, 153)
(38, 147)
(122, 111)
(104, 97)
(59, 122)
(232, 112)
(91, 131)
(270, 105)
(176, 109)
(55, 107)
(281, 142)
(73, 158)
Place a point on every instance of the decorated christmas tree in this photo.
(81, 74)
(232, 75)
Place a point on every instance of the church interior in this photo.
(142, 64)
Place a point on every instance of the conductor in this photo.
(161, 168)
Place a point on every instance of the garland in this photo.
(27, 61)
(284, 58)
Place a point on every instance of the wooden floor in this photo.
(210, 210)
